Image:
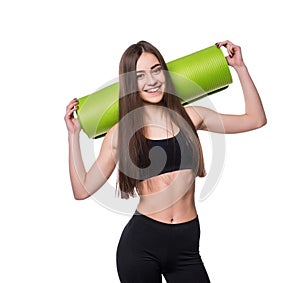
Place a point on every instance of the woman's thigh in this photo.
(137, 254)
(191, 273)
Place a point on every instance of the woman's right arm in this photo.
(84, 183)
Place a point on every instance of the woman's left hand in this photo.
(234, 58)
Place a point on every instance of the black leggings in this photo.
(149, 248)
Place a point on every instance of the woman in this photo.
(159, 155)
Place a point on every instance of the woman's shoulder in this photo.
(195, 114)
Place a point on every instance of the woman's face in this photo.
(150, 78)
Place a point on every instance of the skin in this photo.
(150, 78)
(172, 199)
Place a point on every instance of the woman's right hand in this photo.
(72, 123)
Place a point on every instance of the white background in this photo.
(53, 51)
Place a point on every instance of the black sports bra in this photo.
(166, 155)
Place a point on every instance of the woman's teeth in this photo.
(153, 89)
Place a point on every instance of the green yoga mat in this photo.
(194, 76)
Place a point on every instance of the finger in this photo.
(231, 49)
(228, 45)
(224, 43)
(235, 50)
(229, 60)
(71, 104)
(70, 112)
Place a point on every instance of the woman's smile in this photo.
(153, 90)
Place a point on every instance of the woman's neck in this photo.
(155, 113)
(156, 118)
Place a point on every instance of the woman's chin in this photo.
(155, 99)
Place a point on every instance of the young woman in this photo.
(159, 155)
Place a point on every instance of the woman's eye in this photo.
(140, 76)
(156, 71)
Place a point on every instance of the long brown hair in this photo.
(131, 142)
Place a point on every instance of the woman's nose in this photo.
(151, 80)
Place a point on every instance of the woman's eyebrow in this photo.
(151, 68)
(154, 66)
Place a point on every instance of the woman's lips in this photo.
(153, 90)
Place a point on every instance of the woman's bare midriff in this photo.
(169, 197)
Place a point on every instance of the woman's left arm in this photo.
(254, 116)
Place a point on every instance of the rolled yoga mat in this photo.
(194, 76)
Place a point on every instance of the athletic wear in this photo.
(172, 148)
(149, 249)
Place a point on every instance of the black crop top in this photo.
(166, 155)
